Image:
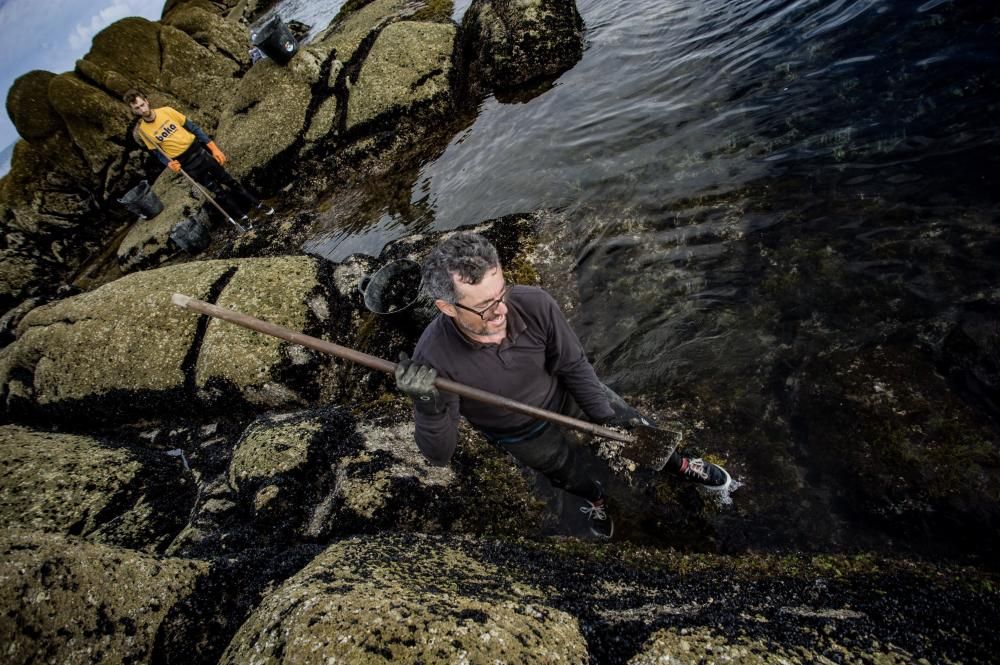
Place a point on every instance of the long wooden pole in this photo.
(381, 365)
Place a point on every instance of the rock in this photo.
(76, 485)
(672, 646)
(512, 44)
(41, 194)
(408, 68)
(407, 599)
(72, 352)
(148, 243)
(18, 273)
(80, 602)
(12, 317)
(203, 23)
(283, 466)
(345, 35)
(73, 358)
(236, 363)
(29, 108)
(96, 122)
(199, 78)
(131, 49)
(312, 475)
(167, 63)
(324, 121)
(267, 113)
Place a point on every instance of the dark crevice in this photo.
(321, 91)
(425, 78)
(350, 73)
(190, 362)
(246, 109)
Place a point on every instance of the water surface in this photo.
(747, 188)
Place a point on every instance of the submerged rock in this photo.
(882, 429)
(406, 599)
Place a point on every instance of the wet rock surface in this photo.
(511, 44)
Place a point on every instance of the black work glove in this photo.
(626, 417)
(417, 381)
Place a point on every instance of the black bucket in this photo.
(393, 288)
(142, 201)
(276, 41)
(190, 235)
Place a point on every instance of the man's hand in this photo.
(417, 381)
(174, 166)
(626, 417)
(216, 153)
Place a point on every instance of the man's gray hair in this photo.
(466, 254)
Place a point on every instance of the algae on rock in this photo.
(80, 602)
(276, 290)
(407, 599)
(410, 64)
(77, 485)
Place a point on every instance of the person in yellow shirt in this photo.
(179, 143)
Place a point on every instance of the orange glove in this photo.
(214, 149)
(174, 166)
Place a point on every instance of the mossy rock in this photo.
(77, 485)
(267, 113)
(409, 66)
(513, 44)
(672, 646)
(29, 108)
(282, 468)
(131, 47)
(351, 28)
(124, 349)
(405, 599)
(148, 243)
(203, 23)
(70, 601)
(134, 52)
(97, 123)
(118, 349)
(17, 274)
(324, 121)
(201, 79)
(265, 370)
(36, 170)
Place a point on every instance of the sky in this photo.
(52, 35)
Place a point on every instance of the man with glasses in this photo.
(512, 341)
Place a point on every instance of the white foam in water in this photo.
(724, 497)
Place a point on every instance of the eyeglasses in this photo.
(490, 309)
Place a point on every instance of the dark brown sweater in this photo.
(538, 362)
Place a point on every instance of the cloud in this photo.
(81, 35)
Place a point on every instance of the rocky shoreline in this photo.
(177, 489)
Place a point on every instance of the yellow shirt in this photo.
(166, 132)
